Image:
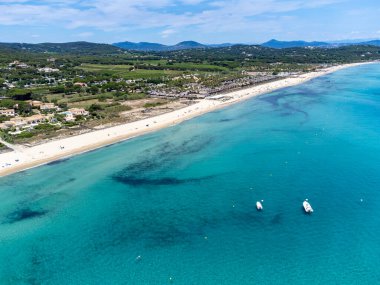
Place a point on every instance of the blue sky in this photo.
(171, 21)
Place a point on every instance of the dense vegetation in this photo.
(252, 55)
(79, 48)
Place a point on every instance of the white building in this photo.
(48, 70)
(7, 112)
(48, 106)
(69, 117)
(79, 112)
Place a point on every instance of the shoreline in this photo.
(24, 158)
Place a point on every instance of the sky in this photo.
(172, 21)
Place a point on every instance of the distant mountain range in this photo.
(371, 43)
(120, 48)
(73, 47)
(294, 44)
(145, 46)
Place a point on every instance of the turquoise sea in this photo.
(178, 206)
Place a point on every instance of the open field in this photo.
(125, 72)
(146, 69)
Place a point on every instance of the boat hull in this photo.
(307, 207)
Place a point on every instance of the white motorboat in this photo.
(307, 206)
(259, 206)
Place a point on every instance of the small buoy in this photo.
(206, 237)
(361, 200)
(233, 206)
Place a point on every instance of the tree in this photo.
(21, 94)
(95, 107)
(94, 89)
(77, 88)
(24, 108)
(7, 103)
(57, 89)
(62, 105)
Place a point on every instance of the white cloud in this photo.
(34, 14)
(85, 35)
(167, 33)
(141, 13)
(218, 16)
(191, 2)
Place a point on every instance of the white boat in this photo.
(307, 206)
(259, 206)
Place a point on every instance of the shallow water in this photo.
(178, 206)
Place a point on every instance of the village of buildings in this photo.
(43, 113)
(187, 86)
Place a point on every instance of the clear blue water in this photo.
(183, 199)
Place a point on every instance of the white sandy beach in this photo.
(23, 157)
